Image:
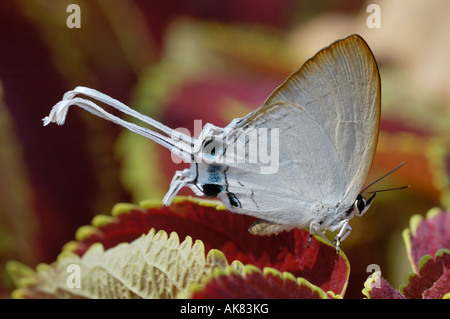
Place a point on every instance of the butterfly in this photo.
(323, 123)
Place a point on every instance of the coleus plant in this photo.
(185, 250)
(428, 246)
(196, 249)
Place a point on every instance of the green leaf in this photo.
(153, 266)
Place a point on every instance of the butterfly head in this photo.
(361, 205)
(206, 176)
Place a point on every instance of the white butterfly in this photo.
(326, 116)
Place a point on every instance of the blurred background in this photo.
(178, 61)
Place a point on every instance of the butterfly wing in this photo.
(328, 115)
(307, 169)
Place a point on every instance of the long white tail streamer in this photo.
(176, 142)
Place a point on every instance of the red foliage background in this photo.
(55, 179)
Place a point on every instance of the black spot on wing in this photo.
(212, 190)
(234, 201)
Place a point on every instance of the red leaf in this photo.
(255, 284)
(227, 232)
(440, 287)
(376, 287)
(427, 236)
(432, 279)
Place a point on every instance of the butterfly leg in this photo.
(179, 180)
(343, 233)
(313, 227)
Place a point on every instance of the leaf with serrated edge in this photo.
(375, 287)
(430, 271)
(207, 220)
(153, 266)
(426, 236)
(440, 288)
(248, 281)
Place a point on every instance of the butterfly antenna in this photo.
(388, 189)
(384, 190)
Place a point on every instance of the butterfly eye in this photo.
(211, 148)
(360, 204)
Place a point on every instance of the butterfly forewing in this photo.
(328, 114)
